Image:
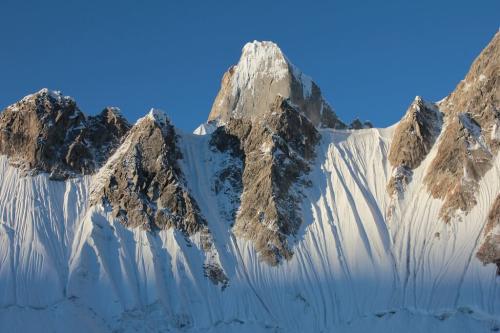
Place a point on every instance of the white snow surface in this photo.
(156, 115)
(65, 266)
(259, 58)
(205, 128)
(266, 59)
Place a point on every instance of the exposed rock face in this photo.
(276, 152)
(228, 181)
(413, 139)
(263, 72)
(269, 111)
(489, 252)
(143, 183)
(462, 159)
(46, 132)
(101, 136)
(145, 187)
(357, 124)
(471, 137)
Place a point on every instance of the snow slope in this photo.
(67, 266)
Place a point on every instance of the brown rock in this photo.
(413, 138)
(489, 252)
(276, 152)
(143, 182)
(471, 137)
(263, 72)
(46, 132)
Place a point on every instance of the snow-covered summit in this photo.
(47, 132)
(259, 59)
(155, 116)
(158, 116)
(263, 72)
(376, 230)
(266, 58)
(54, 96)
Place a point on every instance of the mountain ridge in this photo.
(265, 220)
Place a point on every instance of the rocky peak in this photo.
(143, 183)
(358, 124)
(159, 117)
(470, 140)
(479, 93)
(276, 152)
(260, 59)
(47, 105)
(415, 134)
(47, 132)
(112, 120)
(413, 139)
(462, 159)
(144, 187)
(113, 116)
(262, 73)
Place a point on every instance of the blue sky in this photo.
(370, 58)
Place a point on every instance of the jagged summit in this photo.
(47, 132)
(265, 58)
(158, 116)
(170, 231)
(263, 72)
(54, 94)
(42, 96)
(113, 111)
(469, 143)
(142, 181)
(414, 136)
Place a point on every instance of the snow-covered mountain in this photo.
(274, 216)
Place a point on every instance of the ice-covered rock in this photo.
(263, 72)
(169, 235)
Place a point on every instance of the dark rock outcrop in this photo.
(276, 152)
(47, 132)
(101, 136)
(357, 124)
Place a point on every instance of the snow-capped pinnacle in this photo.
(57, 137)
(249, 88)
(418, 104)
(47, 91)
(55, 95)
(260, 58)
(266, 59)
(115, 110)
(156, 115)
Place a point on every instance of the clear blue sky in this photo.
(370, 58)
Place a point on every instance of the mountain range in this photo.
(273, 216)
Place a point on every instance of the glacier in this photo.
(67, 266)
(380, 245)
